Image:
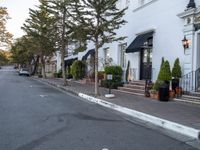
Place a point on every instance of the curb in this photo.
(179, 128)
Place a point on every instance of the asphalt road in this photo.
(34, 116)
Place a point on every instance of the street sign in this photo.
(109, 76)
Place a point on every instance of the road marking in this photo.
(43, 96)
(105, 149)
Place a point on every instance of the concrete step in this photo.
(191, 101)
(196, 94)
(134, 90)
(190, 97)
(132, 93)
(137, 82)
(134, 86)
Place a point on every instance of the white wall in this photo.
(160, 16)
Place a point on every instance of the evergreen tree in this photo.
(62, 10)
(162, 62)
(165, 72)
(5, 36)
(101, 18)
(176, 71)
(40, 28)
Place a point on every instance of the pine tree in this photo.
(40, 28)
(62, 10)
(102, 18)
(176, 71)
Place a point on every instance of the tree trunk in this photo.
(63, 66)
(96, 69)
(35, 66)
(43, 67)
(63, 49)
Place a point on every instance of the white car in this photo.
(24, 71)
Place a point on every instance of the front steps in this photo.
(192, 97)
(134, 87)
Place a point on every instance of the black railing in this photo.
(197, 79)
(191, 81)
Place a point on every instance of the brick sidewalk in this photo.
(182, 113)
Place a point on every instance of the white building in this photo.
(155, 29)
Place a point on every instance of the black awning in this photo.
(69, 62)
(92, 51)
(138, 43)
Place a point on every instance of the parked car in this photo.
(24, 71)
(0, 67)
(15, 67)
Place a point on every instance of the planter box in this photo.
(154, 95)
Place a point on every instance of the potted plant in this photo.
(176, 74)
(154, 92)
(165, 76)
(178, 91)
(171, 94)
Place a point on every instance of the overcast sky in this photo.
(18, 11)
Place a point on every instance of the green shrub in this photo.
(113, 85)
(165, 72)
(78, 69)
(40, 76)
(101, 75)
(157, 84)
(55, 75)
(162, 62)
(59, 74)
(176, 71)
(116, 71)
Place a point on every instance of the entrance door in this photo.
(146, 64)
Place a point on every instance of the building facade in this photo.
(154, 29)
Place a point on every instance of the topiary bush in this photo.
(176, 71)
(59, 74)
(116, 71)
(157, 85)
(78, 69)
(165, 72)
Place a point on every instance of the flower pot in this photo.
(171, 94)
(164, 92)
(178, 91)
(175, 84)
(154, 95)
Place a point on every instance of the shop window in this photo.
(122, 48)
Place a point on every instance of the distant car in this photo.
(24, 71)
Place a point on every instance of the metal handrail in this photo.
(191, 81)
(197, 79)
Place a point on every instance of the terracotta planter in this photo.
(154, 95)
(171, 94)
(179, 91)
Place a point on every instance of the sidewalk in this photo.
(178, 112)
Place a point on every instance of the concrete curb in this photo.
(182, 129)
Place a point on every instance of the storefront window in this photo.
(122, 48)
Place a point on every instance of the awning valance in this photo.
(69, 62)
(138, 43)
(92, 51)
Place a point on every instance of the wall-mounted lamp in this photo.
(185, 42)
